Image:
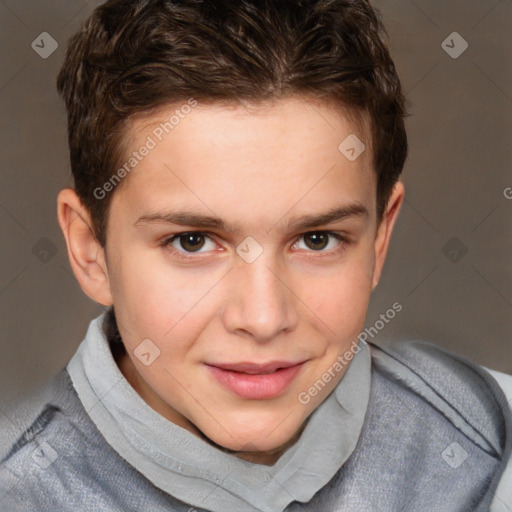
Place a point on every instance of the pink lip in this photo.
(252, 381)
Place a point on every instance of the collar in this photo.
(197, 473)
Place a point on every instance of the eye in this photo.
(318, 241)
(189, 242)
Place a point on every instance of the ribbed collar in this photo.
(199, 474)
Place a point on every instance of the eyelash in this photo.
(166, 243)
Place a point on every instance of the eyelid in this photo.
(342, 239)
(166, 242)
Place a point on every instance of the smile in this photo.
(256, 382)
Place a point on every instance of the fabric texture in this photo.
(502, 501)
(434, 434)
(180, 463)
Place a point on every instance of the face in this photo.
(242, 251)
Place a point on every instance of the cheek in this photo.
(157, 301)
(340, 300)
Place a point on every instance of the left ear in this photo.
(385, 229)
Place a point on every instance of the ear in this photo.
(385, 229)
(86, 256)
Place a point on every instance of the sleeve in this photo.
(502, 501)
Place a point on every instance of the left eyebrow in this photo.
(355, 209)
(303, 222)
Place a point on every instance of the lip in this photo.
(256, 381)
(253, 368)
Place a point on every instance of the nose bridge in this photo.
(262, 305)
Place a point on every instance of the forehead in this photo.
(295, 114)
(287, 152)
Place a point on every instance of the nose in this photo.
(261, 305)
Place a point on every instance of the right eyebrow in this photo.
(303, 222)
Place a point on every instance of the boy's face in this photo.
(289, 294)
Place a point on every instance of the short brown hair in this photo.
(131, 56)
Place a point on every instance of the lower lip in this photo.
(256, 387)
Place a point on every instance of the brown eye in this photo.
(316, 241)
(327, 242)
(191, 242)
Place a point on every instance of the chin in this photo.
(253, 440)
(251, 445)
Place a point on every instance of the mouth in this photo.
(256, 381)
(255, 369)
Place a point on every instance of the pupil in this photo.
(188, 240)
(317, 238)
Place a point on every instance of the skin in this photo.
(303, 298)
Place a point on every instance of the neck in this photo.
(127, 368)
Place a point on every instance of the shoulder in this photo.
(474, 400)
(503, 497)
(44, 439)
(23, 419)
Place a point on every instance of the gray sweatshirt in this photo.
(407, 428)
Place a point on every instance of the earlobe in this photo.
(385, 229)
(86, 256)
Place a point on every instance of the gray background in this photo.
(460, 131)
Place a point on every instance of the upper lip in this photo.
(254, 368)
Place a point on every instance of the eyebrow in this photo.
(303, 222)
